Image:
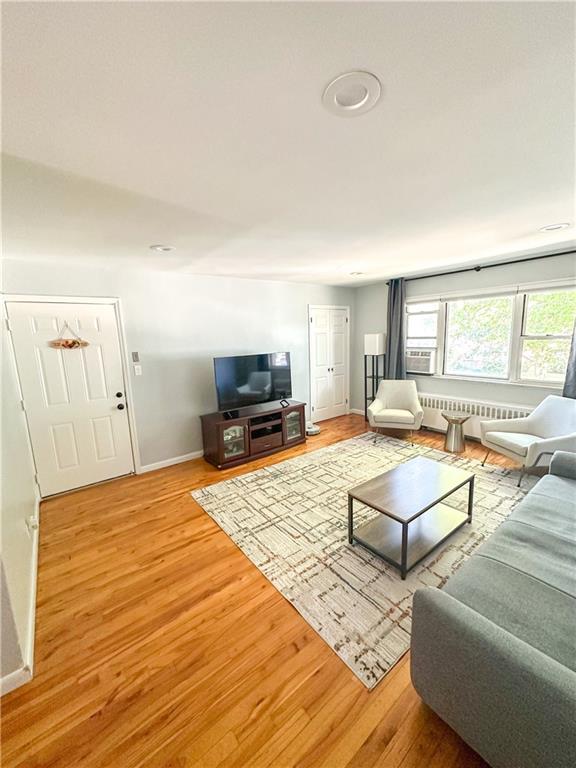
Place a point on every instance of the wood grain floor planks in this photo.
(159, 645)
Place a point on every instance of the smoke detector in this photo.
(352, 94)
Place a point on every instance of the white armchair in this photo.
(396, 406)
(550, 427)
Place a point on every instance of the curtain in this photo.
(395, 362)
(570, 382)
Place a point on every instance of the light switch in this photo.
(137, 370)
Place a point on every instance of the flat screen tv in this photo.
(252, 379)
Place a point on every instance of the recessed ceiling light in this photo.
(357, 274)
(351, 94)
(161, 248)
(554, 227)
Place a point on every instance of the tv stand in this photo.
(235, 437)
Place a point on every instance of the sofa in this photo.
(494, 652)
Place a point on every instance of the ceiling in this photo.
(201, 125)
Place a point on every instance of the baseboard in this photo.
(15, 680)
(357, 411)
(170, 462)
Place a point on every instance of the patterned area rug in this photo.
(290, 519)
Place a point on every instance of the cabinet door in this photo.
(233, 441)
(293, 425)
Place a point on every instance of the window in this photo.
(547, 323)
(521, 337)
(478, 335)
(422, 337)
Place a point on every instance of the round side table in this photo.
(454, 442)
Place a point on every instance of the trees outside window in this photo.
(478, 334)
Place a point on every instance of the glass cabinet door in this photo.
(234, 441)
(293, 425)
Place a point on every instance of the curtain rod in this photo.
(479, 268)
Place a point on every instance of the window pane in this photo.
(550, 313)
(419, 343)
(478, 337)
(544, 359)
(428, 306)
(422, 325)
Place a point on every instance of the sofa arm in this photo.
(549, 445)
(563, 464)
(508, 700)
(505, 425)
(375, 406)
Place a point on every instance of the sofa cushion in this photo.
(544, 513)
(526, 607)
(395, 415)
(542, 555)
(555, 489)
(517, 442)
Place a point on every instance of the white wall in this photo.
(19, 502)
(371, 304)
(178, 323)
(369, 317)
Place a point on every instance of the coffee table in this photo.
(413, 520)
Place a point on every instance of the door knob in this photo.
(120, 406)
(119, 394)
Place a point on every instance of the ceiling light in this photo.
(351, 94)
(161, 248)
(554, 227)
(356, 274)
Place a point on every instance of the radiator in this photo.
(433, 406)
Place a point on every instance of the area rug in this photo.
(290, 520)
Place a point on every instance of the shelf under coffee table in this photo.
(412, 521)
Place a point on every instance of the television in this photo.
(252, 379)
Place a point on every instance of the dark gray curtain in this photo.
(570, 382)
(395, 363)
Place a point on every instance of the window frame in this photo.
(438, 348)
(523, 336)
(520, 299)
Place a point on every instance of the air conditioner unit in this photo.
(421, 361)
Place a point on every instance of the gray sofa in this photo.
(494, 652)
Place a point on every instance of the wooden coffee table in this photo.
(413, 521)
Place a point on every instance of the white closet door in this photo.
(329, 362)
(75, 399)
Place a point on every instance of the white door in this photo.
(329, 362)
(75, 399)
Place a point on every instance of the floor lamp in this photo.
(373, 351)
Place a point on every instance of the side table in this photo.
(454, 442)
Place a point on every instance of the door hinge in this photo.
(312, 407)
(346, 319)
(346, 401)
(22, 405)
(311, 319)
(7, 324)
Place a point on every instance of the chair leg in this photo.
(411, 437)
(485, 457)
(522, 473)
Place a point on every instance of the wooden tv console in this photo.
(235, 437)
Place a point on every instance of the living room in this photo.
(288, 384)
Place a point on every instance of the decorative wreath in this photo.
(61, 343)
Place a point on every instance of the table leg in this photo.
(404, 556)
(350, 520)
(470, 498)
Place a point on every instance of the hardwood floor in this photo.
(159, 644)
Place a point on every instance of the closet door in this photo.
(329, 361)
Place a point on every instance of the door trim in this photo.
(329, 306)
(117, 304)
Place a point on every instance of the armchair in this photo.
(396, 406)
(550, 427)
